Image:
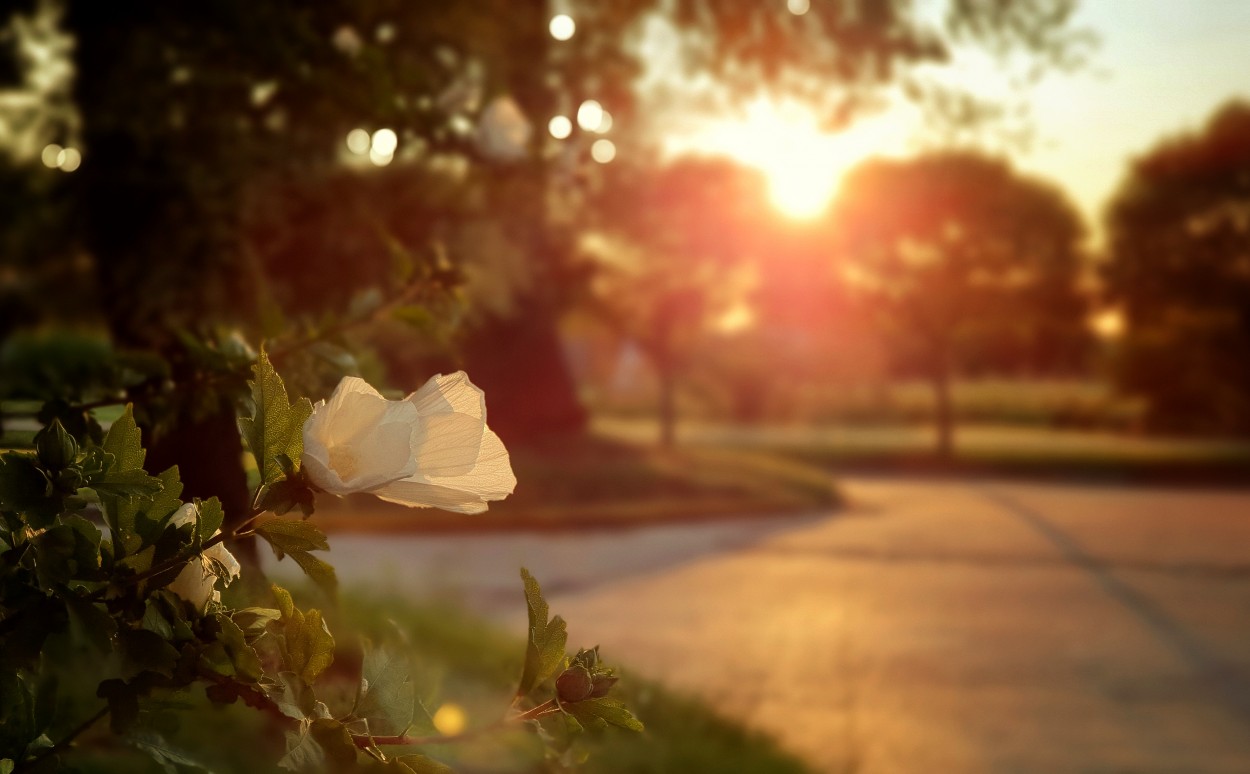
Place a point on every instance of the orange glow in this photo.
(804, 165)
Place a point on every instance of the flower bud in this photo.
(601, 685)
(574, 685)
(56, 448)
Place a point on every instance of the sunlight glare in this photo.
(804, 165)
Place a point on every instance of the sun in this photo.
(804, 165)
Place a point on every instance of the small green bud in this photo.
(57, 449)
(574, 685)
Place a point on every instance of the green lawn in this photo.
(980, 449)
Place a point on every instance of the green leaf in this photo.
(288, 493)
(137, 521)
(155, 621)
(54, 556)
(387, 697)
(290, 535)
(89, 622)
(143, 651)
(544, 652)
(293, 697)
(25, 489)
(211, 517)
(171, 759)
(302, 751)
(246, 664)
(126, 483)
(297, 538)
(6, 766)
(599, 713)
(277, 426)
(124, 442)
(254, 620)
(336, 742)
(308, 646)
(320, 572)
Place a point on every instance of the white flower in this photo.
(432, 449)
(197, 583)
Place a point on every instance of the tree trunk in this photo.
(155, 272)
(521, 366)
(668, 404)
(943, 412)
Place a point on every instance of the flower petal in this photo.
(450, 393)
(491, 477)
(385, 456)
(183, 516)
(316, 465)
(221, 554)
(447, 444)
(415, 494)
(349, 413)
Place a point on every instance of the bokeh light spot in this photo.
(358, 141)
(450, 719)
(603, 151)
(560, 127)
(590, 115)
(69, 159)
(562, 26)
(380, 159)
(798, 7)
(50, 155)
(385, 141)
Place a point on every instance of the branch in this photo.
(364, 740)
(82, 728)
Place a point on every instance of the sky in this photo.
(1162, 67)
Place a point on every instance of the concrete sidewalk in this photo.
(933, 627)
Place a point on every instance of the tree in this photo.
(670, 244)
(182, 111)
(966, 265)
(1179, 245)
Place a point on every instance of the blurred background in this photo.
(876, 372)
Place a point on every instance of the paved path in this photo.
(932, 627)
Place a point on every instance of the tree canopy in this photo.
(966, 264)
(1179, 233)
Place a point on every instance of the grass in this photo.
(980, 449)
(595, 482)
(464, 661)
